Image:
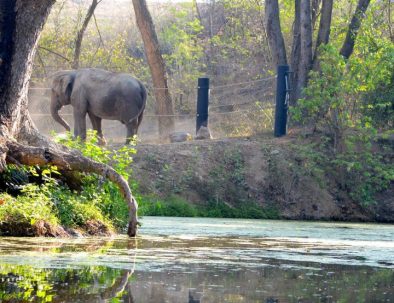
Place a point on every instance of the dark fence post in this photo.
(282, 88)
(202, 103)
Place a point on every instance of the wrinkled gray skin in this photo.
(101, 95)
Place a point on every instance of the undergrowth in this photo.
(31, 194)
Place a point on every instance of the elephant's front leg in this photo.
(80, 124)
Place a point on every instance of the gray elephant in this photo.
(100, 94)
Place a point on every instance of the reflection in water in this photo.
(315, 263)
(94, 284)
(20, 283)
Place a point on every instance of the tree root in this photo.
(69, 161)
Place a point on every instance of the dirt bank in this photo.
(259, 170)
(46, 229)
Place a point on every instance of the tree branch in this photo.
(55, 53)
(79, 38)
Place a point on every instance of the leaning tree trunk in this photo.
(164, 107)
(78, 40)
(274, 32)
(354, 26)
(20, 25)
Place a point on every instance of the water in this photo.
(206, 260)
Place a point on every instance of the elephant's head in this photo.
(62, 87)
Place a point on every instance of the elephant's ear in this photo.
(67, 83)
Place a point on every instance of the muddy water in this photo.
(206, 260)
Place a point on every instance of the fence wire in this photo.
(236, 109)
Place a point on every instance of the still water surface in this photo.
(206, 260)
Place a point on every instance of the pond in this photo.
(206, 260)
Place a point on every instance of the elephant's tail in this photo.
(144, 94)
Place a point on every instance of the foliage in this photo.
(105, 47)
(340, 101)
(172, 206)
(102, 193)
(32, 206)
(25, 283)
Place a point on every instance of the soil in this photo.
(263, 170)
(39, 229)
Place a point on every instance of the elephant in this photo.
(100, 94)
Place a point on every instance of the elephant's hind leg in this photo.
(96, 124)
(132, 128)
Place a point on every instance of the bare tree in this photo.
(354, 26)
(164, 106)
(20, 142)
(79, 38)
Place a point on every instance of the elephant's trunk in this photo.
(55, 107)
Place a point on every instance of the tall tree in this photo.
(354, 26)
(164, 106)
(306, 44)
(81, 32)
(296, 53)
(20, 142)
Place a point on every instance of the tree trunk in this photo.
(274, 32)
(354, 26)
(323, 37)
(295, 53)
(315, 12)
(20, 25)
(164, 107)
(78, 40)
(306, 44)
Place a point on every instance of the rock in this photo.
(180, 137)
(203, 133)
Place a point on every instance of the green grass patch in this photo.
(177, 207)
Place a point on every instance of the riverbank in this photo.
(259, 177)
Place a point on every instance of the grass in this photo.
(177, 207)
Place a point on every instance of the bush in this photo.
(344, 100)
